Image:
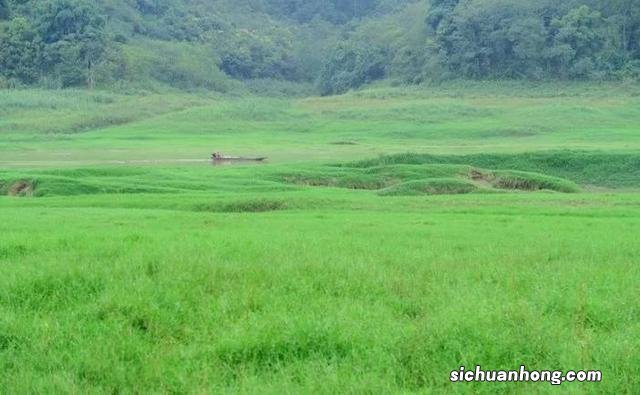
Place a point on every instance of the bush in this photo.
(352, 65)
(179, 65)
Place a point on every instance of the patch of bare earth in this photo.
(479, 178)
(21, 188)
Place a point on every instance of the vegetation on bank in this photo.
(597, 168)
(386, 180)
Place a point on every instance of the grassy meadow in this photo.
(394, 235)
(77, 128)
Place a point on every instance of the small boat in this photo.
(219, 157)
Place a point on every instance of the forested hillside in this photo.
(332, 45)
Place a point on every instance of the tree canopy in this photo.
(335, 44)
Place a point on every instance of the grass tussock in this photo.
(525, 181)
(54, 291)
(436, 186)
(269, 353)
(243, 206)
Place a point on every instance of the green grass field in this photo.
(394, 235)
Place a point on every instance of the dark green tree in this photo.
(580, 43)
(625, 16)
(350, 66)
(20, 51)
(74, 40)
(439, 11)
(336, 11)
(4, 10)
(492, 38)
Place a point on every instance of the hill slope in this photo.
(335, 45)
(184, 44)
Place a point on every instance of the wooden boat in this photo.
(218, 157)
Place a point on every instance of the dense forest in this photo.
(332, 45)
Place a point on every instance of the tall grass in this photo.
(118, 293)
(342, 265)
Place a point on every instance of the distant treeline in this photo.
(335, 44)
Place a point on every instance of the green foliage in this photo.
(491, 38)
(351, 65)
(247, 55)
(179, 65)
(279, 88)
(63, 43)
(4, 10)
(338, 45)
(74, 40)
(20, 51)
(513, 39)
(337, 11)
(580, 39)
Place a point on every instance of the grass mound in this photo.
(65, 186)
(392, 179)
(333, 177)
(398, 179)
(405, 172)
(436, 186)
(70, 183)
(531, 182)
(374, 178)
(613, 170)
